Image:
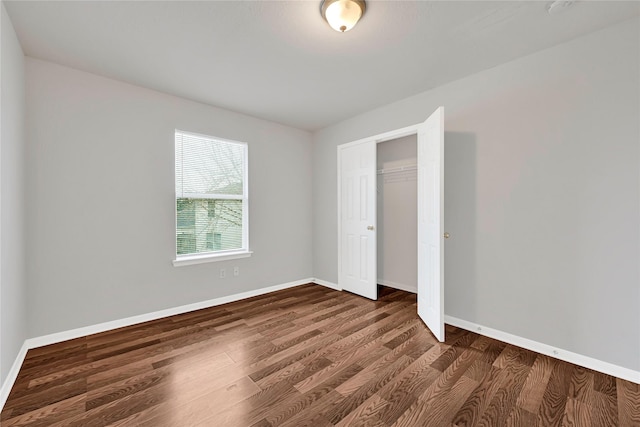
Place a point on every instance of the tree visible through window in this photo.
(211, 195)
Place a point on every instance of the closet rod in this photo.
(398, 169)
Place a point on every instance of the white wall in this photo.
(13, 309)
(542, 193)
(101, 219)
(398, 214)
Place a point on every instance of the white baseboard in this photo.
(327, 284)
(12, 375)
(133, 320)
(558, 353)
(396, 285)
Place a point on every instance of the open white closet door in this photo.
(357, 196)
(430, 223)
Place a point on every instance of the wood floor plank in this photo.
(367, 414)
(278, 361)
(505, 399)
(307, 356)
(162, 413)
(118, 409)
(452, 354)
(576, 413)
(332, 312)
(371, 369)
(521, 418)
(351, 402)
(303, 409)
(46, 415)
(476, 404)
(552, 408)
(252, 409)
(581, 386)
(534, 387)
(319, 377)
(628, 403)
(443, 383)
(128, 386)
(442, 407)
(604, 411)
(188, 355)
(409, 385)
(44, 397)
(311, 367)
(192, 411)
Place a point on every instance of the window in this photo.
(211, 199)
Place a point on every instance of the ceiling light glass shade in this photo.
(342, 15)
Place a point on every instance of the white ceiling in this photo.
(279, 60)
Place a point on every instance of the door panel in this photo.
(357, 186)
(430, 222)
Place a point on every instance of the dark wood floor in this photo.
(308, 356)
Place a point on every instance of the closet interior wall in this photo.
(397, 213)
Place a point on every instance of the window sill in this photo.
(200, 259)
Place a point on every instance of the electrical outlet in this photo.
(223, 273)
(236, 271)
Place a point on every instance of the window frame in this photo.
(214, 255)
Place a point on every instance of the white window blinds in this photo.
(211, 195)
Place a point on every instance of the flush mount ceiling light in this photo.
(559, 6)
(342, 15)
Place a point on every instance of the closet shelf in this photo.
(397, 169)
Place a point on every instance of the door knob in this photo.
(446, 235)
(369, 227)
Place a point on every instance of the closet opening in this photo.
(397, 213)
